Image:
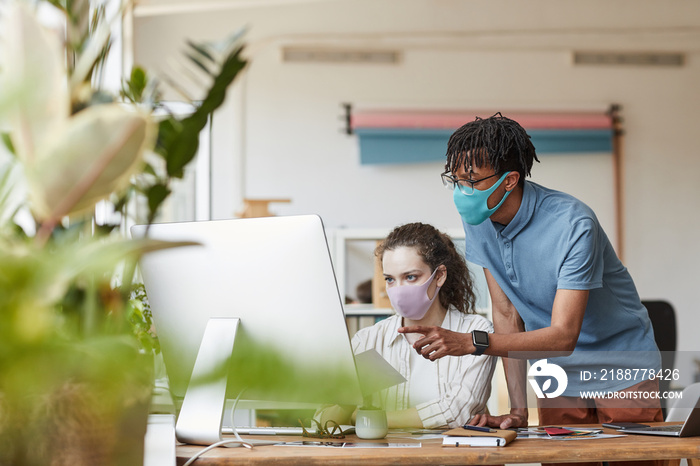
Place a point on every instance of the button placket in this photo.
(507, 253)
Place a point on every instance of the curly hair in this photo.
(436, 248)
(497, 141)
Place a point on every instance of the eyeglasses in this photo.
(330, 429)
(466, 186)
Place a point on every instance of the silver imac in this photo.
(257, 301)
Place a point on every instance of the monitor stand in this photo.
(201, 414)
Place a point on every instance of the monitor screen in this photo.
(275, 275)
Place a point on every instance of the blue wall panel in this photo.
(399, 145)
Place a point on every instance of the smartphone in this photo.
(623, 425)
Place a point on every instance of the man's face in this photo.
(483, 178)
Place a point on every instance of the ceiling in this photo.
(638, 25)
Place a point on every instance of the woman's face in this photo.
(404, 266)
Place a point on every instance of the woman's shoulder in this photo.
(391, 321)
(376, 331)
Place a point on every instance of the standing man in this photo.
(556, 285)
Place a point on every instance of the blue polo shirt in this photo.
(556, 242)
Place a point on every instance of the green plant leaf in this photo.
(60, 4)
(100, 257)
(156, 195)
(93, 156)
(33, 81)
(134, 88)
(10, 201)
(201, 50)
(91, 50)
(178, 143)
(200, 63)
(7, 141)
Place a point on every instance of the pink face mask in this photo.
(411, 301)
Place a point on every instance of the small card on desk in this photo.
(558, 431)
(463, 437)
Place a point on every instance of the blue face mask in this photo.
(474, 208)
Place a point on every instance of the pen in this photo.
(477, 428)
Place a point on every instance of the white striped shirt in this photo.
(463, 382)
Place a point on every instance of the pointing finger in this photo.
(415, 329)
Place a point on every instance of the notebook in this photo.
(463, 437)
(690, 428)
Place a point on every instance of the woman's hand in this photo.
(338, 413)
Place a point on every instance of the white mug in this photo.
(371, 423)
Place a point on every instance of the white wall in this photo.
(281, 134)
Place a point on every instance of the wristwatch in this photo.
(480, 340)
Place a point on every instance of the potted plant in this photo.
(75, 342)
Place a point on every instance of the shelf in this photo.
(358, 310)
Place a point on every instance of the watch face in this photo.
(481, 338)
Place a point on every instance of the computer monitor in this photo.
(267, 282)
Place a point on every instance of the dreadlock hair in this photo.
(436, 248)
(496, 141)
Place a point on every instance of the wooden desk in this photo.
(629, 448)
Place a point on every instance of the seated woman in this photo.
(428, 283)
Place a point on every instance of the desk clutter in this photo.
(485, 437)
(425, 446)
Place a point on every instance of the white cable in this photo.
(233, 410)
(223, 442)
(215, 445)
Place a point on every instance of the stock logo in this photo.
(546, 372)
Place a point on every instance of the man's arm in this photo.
(506, 320)
(561, 336)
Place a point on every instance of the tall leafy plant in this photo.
(72, 321)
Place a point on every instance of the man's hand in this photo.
(437, 342)
(505, 421)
